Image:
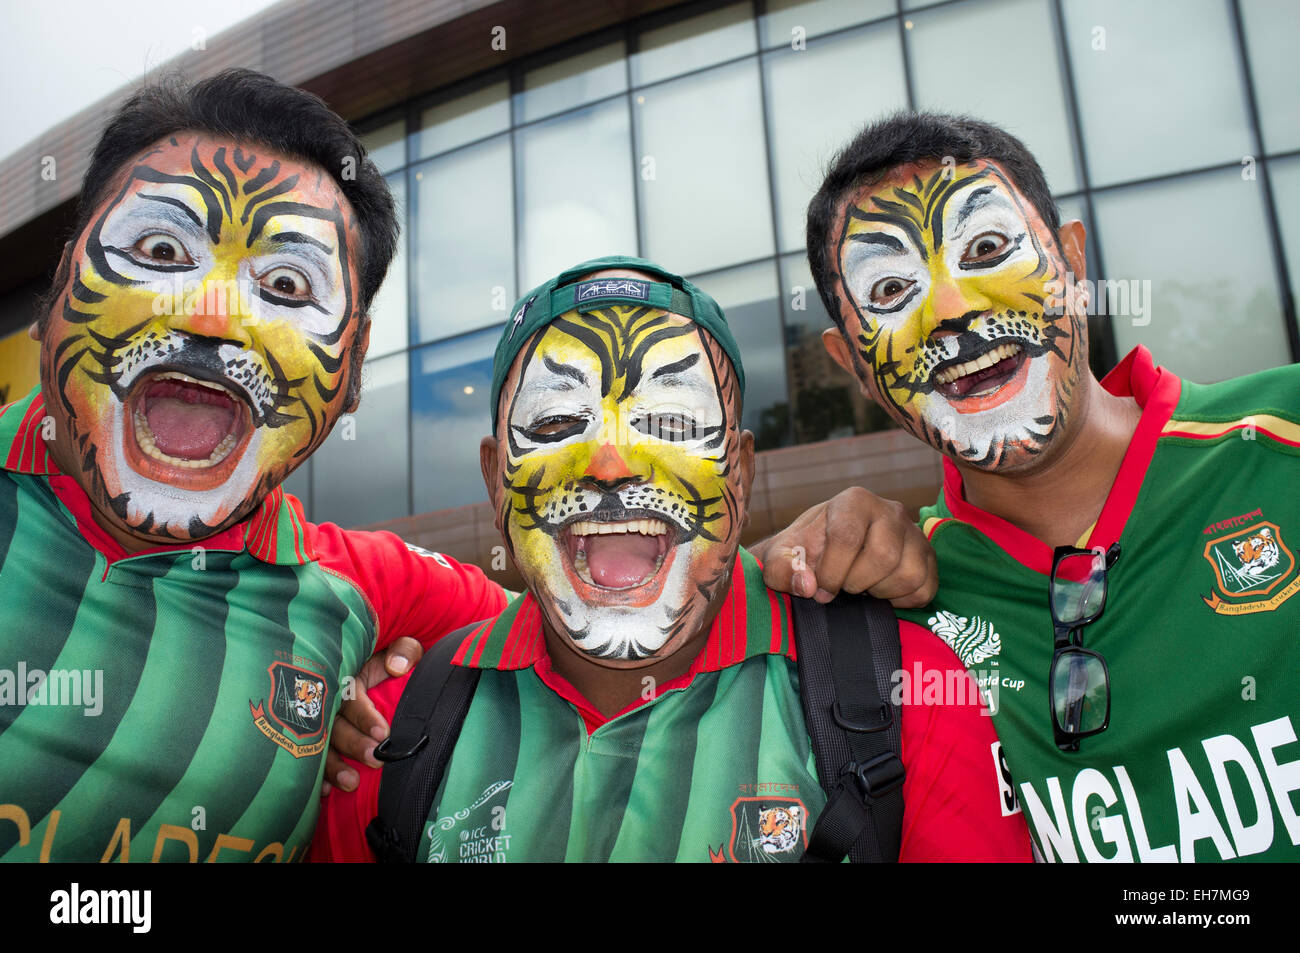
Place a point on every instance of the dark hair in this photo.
(910, 137)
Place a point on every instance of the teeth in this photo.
(1000, 353)
(144, 437)
(645, 527)
(175, 376)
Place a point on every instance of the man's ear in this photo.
(746, 468)
(1074, 245)
(488, 450)
(359, 348)
(841, 352)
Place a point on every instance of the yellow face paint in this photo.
(201, 348)
(622, 500)
(950, 277)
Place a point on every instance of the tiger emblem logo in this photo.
(308, 693)
(779, 828)
(1258, 552)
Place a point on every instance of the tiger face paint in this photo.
(201, 348)
(624, 478)
(947, 277)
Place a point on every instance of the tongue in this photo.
(619, 560)
(186, 430)
(985, 379)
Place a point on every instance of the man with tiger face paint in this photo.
(939, 253)
(623, 474)
(183, 410)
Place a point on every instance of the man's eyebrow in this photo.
(564, 370)
(888, 242)
(676, 367)
(298, 238)
(175, 203)
(977, 199)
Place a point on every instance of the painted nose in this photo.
(608, 469)
(215, 312)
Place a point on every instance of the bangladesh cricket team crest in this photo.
(1254, 571)
(765, 830)
(294, 715)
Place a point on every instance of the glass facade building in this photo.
(696, 137)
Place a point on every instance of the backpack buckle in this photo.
(878, 777)
(384, 751)
(885, 718)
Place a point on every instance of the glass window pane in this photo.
(783, 17)
(1193, 257)
(386, 146)
(571, 82)
(691, 44)
(939, 42)
(359, 473)
(703, 179)
(465, 244)
(575, 203)
(1159, 86)
(748, 298)
(1284, 176)
(817, 101)
(389, 331)
(464, 119)
(827, 400)
(449, 398)
(1271, 28)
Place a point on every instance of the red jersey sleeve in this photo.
(413, 592)
(341, 830)
(953, 807)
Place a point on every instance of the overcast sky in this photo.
(62, 55)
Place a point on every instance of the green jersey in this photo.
(1200, 760)
(175, 704)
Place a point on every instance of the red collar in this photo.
(276, 533)
(1156, 390)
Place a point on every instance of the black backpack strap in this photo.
(847, 652)
(423, 734)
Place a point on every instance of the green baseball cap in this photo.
(565, 293)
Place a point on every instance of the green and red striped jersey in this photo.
(715, 765)
(1200, 760)
(175, 704)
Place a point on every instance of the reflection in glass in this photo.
(940, 42)
(575, 204)
(1213, 310)
(451, 385)
(464, 119)
(389, 330)
(1271, 28)
(748, 296)
(359, 472)
(1285, 177)
(571, 82)
(386, 146)
(817, 102)
(694, 43)
(781, 18)
(827, 401)
(465, 243)
(702, 179)
(1159, 86)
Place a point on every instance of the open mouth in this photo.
(627, 557)
(180, 426)
(984, 380)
